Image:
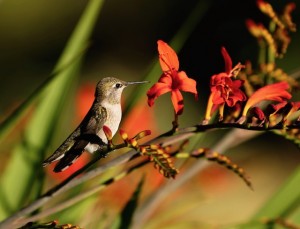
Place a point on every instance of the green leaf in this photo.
(130, 207)
(250, 225)
(285, 201)
(10, 122)
(19, 180)
(77, 213)
(281, 205)
(294, 217)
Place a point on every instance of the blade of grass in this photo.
(284, 201)
(10, 122)
(295, 215)
(18, 176)
(130, 207)
(282, 205)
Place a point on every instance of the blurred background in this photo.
(123, 45)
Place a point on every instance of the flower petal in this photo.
(273, 92)
(227, 59)
(258, 113)
(177, 100)
(166, 79)
(237, 83)
(217, 98)
(157, 90)
(224, 89)
(167, 57)
(187, 84)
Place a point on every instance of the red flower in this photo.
(283, 109)
(289, 109)
(257, 116)
(273, 92)
(225, 90)
(274, 109)
(171, 80)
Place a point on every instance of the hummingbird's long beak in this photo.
(136, 82)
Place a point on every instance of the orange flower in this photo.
(274, 109)
(225, 90)
(171, 80)
(273, 92)
(257, 116)
(288, 109)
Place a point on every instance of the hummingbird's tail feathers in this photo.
(62, 149)
(59, 153)
(66, 161)
(54, 157)
(70, 156)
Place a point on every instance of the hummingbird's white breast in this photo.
(114, 115)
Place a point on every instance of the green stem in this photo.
(262, 52)
(175, 123)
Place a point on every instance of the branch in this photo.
(82, 195)
(164, 139)
(67, 184)
(146, 209)
(200, 153)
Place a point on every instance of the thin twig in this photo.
(99, 187)
(73, 180)
(146, 209)
(65, 185)
(81, 196)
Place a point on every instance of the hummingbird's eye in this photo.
(119, 85)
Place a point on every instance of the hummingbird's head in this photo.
(110, 89)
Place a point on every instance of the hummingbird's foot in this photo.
(92, 138)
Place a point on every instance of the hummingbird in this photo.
(89, 135)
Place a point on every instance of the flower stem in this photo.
(175, 122)
(208, 110)
(271, 54)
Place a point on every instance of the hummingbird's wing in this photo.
(74, 145)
